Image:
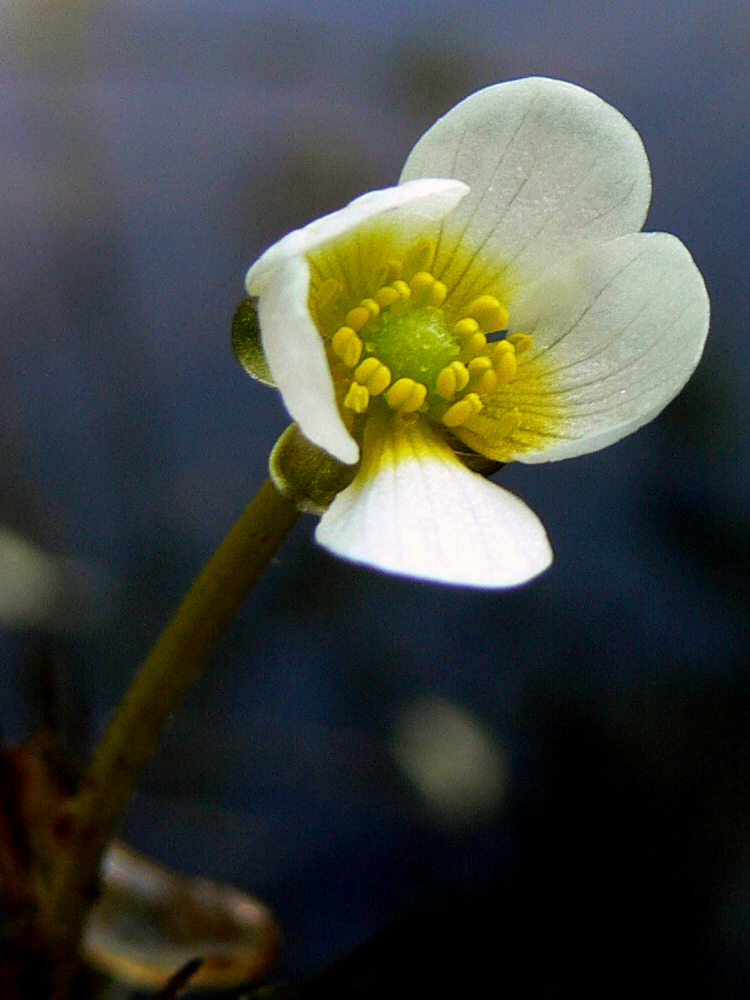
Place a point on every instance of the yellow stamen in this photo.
(500, 348)
(357, 317)
(473, 345)
(374, 374)
(461, 411)
(386, 296)
(347, 346)
(504, 361)
(508, 423)
(452, 379)
(489, 313)
(482, 377)
(521, 341)
(372, 307)
(402, 288)
(437, 294)
(465, 328)
(357, 398)
(478, 366)
(486, 383)
(419, 258)
(406, 395)
(421, 282)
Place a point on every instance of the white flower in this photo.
(501, 297)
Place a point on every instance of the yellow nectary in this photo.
(398, 337)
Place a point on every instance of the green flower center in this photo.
(406, 345)
(412, 343)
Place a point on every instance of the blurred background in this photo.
(549, 786)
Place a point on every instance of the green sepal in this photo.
(246, 341)
(305, 474)
(471, 459)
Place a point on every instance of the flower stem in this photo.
(134, 731)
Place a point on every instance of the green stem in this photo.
(135, 730)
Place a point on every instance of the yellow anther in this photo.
(402, 288)
(357, 317)
(357, 398)
(500, 348)
(461, 411)
(465, 328)
(489, 313)
(478, 366)
(380, 381)
(482, 378)
(419, 258)
(437, 294)
(406, 395)
(372, 307)
(521, 341)
(474, 344)
(386, 296)
(508, 424)
(374, 374)
(452, 379)
(504, 361)
(487, 382)
(347, 346)
(366, 369)
(421, 282)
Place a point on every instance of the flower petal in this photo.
(425, 199)
(297, 359)
(549, 165)
(620, 335)
(415, 510)
(291, 341)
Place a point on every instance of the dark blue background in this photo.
(149, 152)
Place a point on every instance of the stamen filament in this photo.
(419, 258)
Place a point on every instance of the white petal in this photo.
(294, 350)
(548, 163)
(415, 510)
(622, 332)
(291, 341)
(425, 199)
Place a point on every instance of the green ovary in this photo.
(413, 342)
